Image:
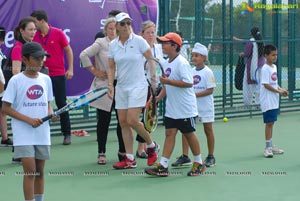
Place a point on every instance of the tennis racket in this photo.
(257, 75)
(153, 70)
(79, 102)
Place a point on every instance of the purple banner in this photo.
(80, 20)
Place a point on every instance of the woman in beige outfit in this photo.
(99, 50)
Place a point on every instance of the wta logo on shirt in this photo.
(197, 79)
(35, 92)
(168, 72)
(274, 76)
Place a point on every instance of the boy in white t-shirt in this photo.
(204, 84)
(27, 99)
(181, 106)
(269, 98)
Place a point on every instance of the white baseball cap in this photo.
(201, 49)
(122, 16)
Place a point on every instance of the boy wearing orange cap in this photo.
(180, 115)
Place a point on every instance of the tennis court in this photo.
(241, 174)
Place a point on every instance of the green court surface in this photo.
(241, 174)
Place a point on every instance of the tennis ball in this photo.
(225, 119)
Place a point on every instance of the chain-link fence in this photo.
(215, 23)
(224, 26)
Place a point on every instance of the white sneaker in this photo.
(276, 150)
(268, 153)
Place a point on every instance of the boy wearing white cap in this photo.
(204, 84)
(179, 115)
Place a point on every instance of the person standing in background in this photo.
(204, 84)
(254, 53)
(23, 33)
(54, 41)
(149, 34)
(104, 105)
(269, 98)
(5, 141)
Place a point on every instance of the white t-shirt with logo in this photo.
(29, 96)
(203, 80)
(268, 99)
(181, 102)
(129, 59)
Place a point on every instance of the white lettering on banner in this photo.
(9, 38)
(102, 23)
(65, 32)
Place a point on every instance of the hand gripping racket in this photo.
(153, 70)
(79, 102)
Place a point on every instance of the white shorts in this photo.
(41, 152)
(206, 119)
(131, 97)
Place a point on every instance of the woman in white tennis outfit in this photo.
(126, 56)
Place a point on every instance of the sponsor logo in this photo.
(35, 92)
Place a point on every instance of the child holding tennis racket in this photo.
(27, 99)
(204, 84)
(181, 106)
(269, 98)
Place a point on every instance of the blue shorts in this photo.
(270, 115)
(186, 125)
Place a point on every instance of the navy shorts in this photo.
(270, 115)
(186, 125)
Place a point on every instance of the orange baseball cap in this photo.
(171, 36)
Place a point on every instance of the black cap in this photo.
(33, 49)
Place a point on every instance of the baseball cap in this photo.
(121, 16)
(34, 49)
(201, 49)
(171, 36)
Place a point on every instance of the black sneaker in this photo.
(182, 161)
(197, 169)
(157, 170)
(16, 161)
(210, 161)
(67, 140)
(7, 142)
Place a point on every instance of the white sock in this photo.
(39, 197)
(164, 162)
(30, 200)
(198, 159)
(269, 143)
(130, 156)
(151, 145)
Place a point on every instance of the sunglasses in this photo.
(123, 23)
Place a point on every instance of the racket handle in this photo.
(47, 117)
(153, 112)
